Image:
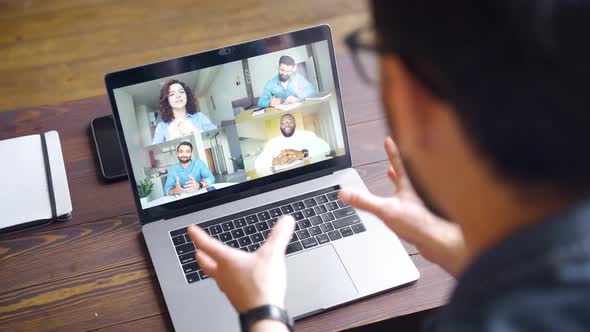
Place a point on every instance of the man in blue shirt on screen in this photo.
(288, 87)
(188, 175)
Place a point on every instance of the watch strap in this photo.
(271, 312)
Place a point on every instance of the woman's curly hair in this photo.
(165, 108)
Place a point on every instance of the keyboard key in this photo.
(252, 219)
(193, 277)
(310, 202)
(294, 247)
(333, 195)
(178, 240)
(203, 275)
(265, 234)
(236, 233)
(253, 247)
(294, 238)
(305, 223)
(297, 215)
(341, 204)
(207, 231)
(216, 237)
(322, 238)
(264, 215)
(303, 234)
(286, 209)
(327, 227)
(215, 229)
(224, 237)
(310, 242)
(346, 231)
(328, 217)
(187, 238)
(251, 229)
(321, 199)
(262, 226)
(233, 244)
(358, 228)
(184, 248)
(244, 249)
(334, 235)
(244, 241)
(298, 206)
(315, 230)
(256, 237)
(240, 222)
(191, 267)
(227, 226)
(272, 222)
(320, 209)
(275, 212)
(178, 232)
(346, 221)
(308, 213)
(316, 220)
(343, 213)
(332, 206)
(187, 258)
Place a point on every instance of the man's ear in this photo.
(412, 109)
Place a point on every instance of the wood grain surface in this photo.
(59, 50)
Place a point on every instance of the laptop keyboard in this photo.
(321, 218)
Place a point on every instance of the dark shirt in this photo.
(535, 280)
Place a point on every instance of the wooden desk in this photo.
(94, 273)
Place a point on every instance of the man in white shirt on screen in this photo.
(290, 148)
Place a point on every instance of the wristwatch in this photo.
(305, 153)
(268, 311)
(200, 185)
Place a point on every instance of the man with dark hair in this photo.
(488, 103)
(288, 87)
(188, 175)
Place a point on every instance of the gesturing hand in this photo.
(437, 240)
(192, 184)
(248, 279)
(177, 187)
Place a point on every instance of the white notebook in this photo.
(34, 179)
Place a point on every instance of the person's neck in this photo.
(185, 165)
(179, 113)
(500, 211)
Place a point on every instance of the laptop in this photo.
(196, 154)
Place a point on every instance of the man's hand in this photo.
(177, 188)
(191, 185)
(274, 101)
(248, 279)
(204, 184)
(292, 100)
(438, 240)
(287, 156)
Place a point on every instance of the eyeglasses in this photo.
(365, 49)
(363, 46)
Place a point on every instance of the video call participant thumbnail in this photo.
(179, 113)
(188, 175)
(288, 87)
(290, 146)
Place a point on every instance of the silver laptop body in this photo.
(319, 278)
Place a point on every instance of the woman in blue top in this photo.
(179, 113)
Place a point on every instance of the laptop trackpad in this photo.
(317, 280)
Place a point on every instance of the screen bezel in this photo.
(216, 57)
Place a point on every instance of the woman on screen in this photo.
(179, 113)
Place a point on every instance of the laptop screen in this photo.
(200, 131)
